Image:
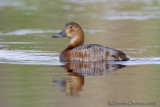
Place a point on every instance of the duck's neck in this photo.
(77, 41)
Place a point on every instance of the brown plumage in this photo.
(76, 51)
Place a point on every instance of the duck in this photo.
(76, 51)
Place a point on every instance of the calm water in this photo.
(32, 76)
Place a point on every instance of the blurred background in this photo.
(29, 63)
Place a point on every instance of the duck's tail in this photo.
(123, 56)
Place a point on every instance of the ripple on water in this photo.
(21, 32)
(106, 1)
(84, 1)
(138, 61)
(6, 3)
(113, 15)
(17, 4)
(6, 43)
(28, 31)
(33, 57)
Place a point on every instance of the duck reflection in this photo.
(76, 71)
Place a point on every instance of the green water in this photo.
(30, 71)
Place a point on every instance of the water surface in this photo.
(30, 71)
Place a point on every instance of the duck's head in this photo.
(71, 30)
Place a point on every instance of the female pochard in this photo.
(76, 51)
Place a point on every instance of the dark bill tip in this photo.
(60, 34)
(56, 36)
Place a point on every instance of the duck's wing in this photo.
(94, 53)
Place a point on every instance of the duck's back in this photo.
(95, 53)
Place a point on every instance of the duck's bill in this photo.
(60, 34)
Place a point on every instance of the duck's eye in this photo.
(70, 27)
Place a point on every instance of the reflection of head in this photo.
(74, 82)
